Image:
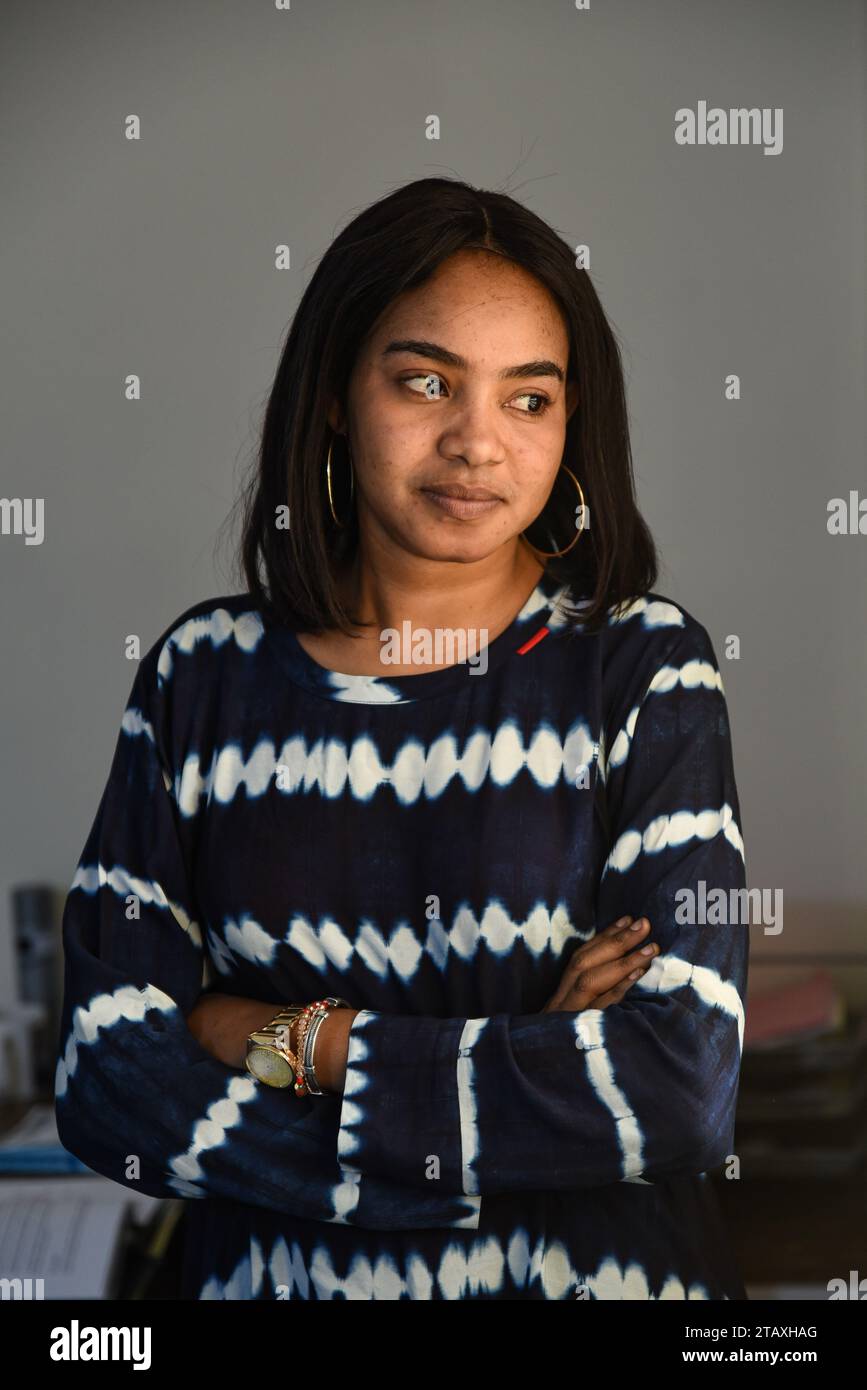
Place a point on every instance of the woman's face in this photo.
(443, 414)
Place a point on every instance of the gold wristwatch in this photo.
(269, 1057)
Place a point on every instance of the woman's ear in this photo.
(571, 397)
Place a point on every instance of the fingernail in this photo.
(623, 921)
(648, 950)
(637, 926)
(635, 974)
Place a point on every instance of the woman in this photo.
(452, 781)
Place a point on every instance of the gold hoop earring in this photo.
(337, 521)
(554, 554)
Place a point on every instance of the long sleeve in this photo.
(136, 1096)
(638, 1091)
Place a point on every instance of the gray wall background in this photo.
(261, 127)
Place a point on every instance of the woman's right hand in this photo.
(601, 970)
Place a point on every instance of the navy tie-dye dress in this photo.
(432, 848)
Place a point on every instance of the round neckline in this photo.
(539, 610)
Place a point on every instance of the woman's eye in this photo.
(432, 387)
(534, 396)
(430, 380)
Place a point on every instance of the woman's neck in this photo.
(481, 609)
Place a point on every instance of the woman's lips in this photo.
(463, 507)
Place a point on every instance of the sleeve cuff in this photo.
(400, 1116)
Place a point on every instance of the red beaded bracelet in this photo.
(306, 1018)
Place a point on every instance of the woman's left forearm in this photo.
(221, 1024)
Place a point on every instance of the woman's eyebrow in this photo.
(542, 366)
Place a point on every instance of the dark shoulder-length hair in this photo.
(393, 246)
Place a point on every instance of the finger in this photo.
(591, 983)
(614, 996)
(617, 926)
(611, 996)
(610, 944)
(624, 924)
(602, 951)
(607, 945)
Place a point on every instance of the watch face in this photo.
(268, 1066)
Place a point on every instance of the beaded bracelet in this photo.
(315, 1010)
(308, 1064)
